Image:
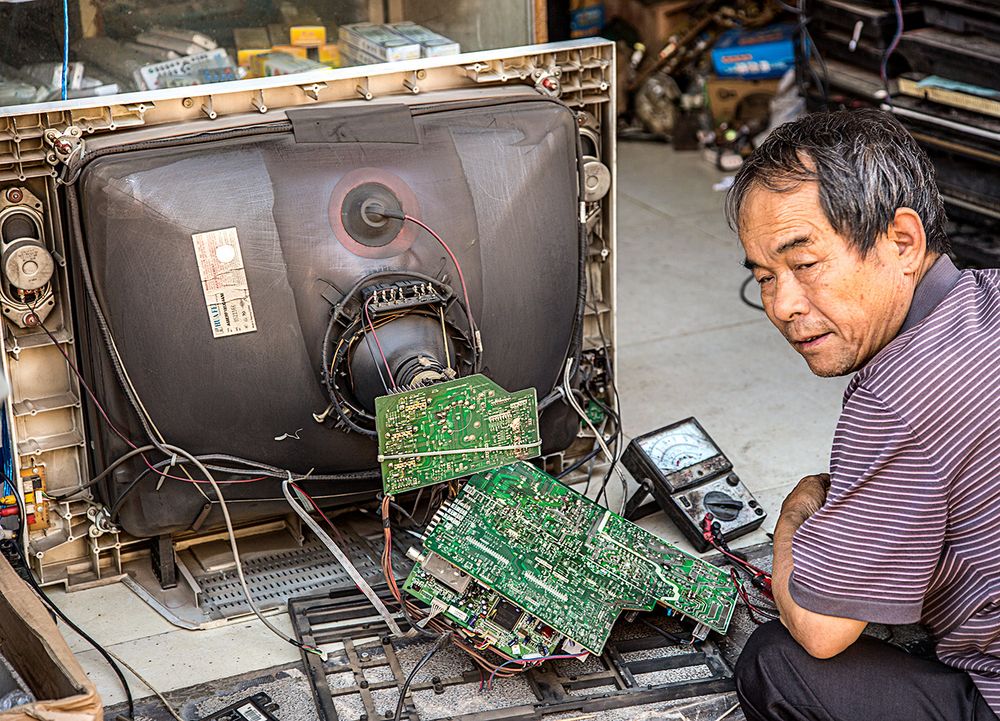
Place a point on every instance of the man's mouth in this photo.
(809, 342)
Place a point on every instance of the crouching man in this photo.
(842, 226)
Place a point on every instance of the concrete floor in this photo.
(687, 346)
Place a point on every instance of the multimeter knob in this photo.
(722, 506)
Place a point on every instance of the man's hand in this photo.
(820, 635)
(806, 498)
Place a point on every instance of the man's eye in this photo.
(804, 266)
(764, 279)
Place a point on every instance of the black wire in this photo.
(743, 295)
(663, 632)
(579, 462)
(22, 520)
(808, 49)
(97, 479)
(618, 436)
(409, 679)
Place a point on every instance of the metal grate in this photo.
(274, 578)
(641, 664)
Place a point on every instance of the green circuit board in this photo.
(486, 615)
(568, 561)
(423, 434)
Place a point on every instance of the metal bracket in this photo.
(363, 89)
(312, 90)
(67, 148)
(207, 108)
(258, 101)
(411, 83)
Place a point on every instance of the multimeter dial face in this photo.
(678, 448)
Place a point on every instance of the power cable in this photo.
(409, 679)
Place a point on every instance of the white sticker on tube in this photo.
(224, 281)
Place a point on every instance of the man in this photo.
(842, 226)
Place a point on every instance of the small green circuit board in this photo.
(486, 615)
(568, 561)
(422, 433)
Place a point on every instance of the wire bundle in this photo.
(422, 621)
(761, 579)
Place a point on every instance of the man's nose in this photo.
(789, 299)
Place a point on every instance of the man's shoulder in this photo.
(957, 346)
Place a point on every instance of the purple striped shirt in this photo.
(910, 530)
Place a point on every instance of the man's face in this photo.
(834, 307)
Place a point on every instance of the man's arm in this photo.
(821, 636)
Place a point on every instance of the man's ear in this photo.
(906, 233)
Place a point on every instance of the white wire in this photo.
(571, 399)
(232, 542)
(731, 709)
(147, 684)
(457, 451)
(359, 580)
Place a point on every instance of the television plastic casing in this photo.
(490, 148)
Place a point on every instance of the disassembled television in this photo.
(210, 258)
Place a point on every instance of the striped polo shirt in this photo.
(910, 531)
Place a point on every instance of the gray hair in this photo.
(866, 165)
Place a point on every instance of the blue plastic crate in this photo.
(764, 53)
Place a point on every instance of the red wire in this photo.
(375, 336)
(314, 505)
(461, 277)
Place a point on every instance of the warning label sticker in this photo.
(224, 281)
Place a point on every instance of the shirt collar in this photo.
(931, 290)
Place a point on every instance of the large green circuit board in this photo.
(424, 434)
(568, 561)
(485, 615)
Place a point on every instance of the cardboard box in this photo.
(307, 36)
(725, 94)
(292, 50)
(655, 20)
(31, 642)
(377, 41)
(279, 63)
(278, 34)
(329, 54)
(432, 45)
(244, 58)
(250, 42)
(251, 38)
(764, 53)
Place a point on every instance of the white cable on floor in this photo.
(232, 542)
(359, 580)
(568, 393)
(147, 684)
(731, 709)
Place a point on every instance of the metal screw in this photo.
(188, 102)
(15, 195)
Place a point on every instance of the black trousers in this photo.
(776, 680)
